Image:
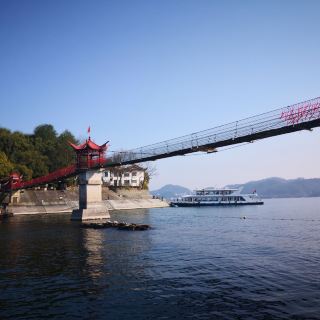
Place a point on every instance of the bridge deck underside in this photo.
(224, 143)
(302, 116)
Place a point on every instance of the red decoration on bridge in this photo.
(11, 182)
(301, 116)
(301, 112)
(89, 154)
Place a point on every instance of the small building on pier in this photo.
(125, 176)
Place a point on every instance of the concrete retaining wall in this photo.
(136, 204)
(52, 201)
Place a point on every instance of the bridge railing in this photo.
(51, 177)
(279, 118)
(219, 136)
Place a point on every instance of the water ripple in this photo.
(196, 263)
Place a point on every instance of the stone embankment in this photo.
(60, 201)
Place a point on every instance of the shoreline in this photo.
(57, 201)
(112, 205)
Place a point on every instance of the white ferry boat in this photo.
(217, 197)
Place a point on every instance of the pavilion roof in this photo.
(89, 145)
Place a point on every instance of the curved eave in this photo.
(89, 145)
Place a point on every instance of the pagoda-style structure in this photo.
(90, 159)
(89, 154)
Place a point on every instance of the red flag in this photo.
(89, 129)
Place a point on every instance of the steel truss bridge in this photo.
(301, 116)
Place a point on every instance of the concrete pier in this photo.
(91, 206)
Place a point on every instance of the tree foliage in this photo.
(37, 154)
(5, 165)
(150, 171)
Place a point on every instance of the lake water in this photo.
(195, 263)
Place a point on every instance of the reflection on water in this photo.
(93, 245)
(203, 263)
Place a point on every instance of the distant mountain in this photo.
(170, 191)
(282, 188)
(266, 188)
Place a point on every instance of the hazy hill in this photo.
(282, 188)
(170, 191)
(266, 188)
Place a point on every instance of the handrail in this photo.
(300, 116)
(281, 118)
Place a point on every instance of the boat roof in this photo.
(217, 189)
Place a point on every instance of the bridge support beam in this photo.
(91, 206)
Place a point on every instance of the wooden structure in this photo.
(89, 154)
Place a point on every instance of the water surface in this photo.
(195, 263)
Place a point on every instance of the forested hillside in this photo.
(36, 154)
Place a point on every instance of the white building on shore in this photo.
(125, 176)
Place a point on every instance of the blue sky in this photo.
(140, 72)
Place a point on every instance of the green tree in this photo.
(16, 144)
(46, 132)
(37, 154)
(23, 170)
(64, 153)
(46, 137)
(6, 166)
(6, 143)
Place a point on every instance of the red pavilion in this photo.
(89, 154)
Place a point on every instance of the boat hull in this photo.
(194, 204)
